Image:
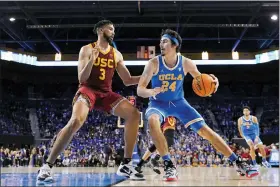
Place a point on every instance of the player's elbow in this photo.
(126, 82)
(139, 91)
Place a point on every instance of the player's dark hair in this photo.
(246, 107)
(175, 35)
(101, 24)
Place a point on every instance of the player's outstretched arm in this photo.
(239, 123)
(124, 73)
(145, 78)
(190, 67)
(86, 57)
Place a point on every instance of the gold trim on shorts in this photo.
(193, 121)
(84, 96)
(114, 104)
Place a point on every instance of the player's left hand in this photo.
(216, 81)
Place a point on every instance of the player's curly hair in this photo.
(101, 24)
(246, 107)
(175, 35)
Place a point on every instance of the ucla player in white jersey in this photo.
(248, 127)
(167, 72)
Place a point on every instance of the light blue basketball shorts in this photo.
(180, 109)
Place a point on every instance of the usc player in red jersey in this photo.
(168, 128)
(97, 64)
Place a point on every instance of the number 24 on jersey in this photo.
(166, 86)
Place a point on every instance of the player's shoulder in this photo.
(86, 47)
(240, 118)
(85, 50)
(254, 119)
(152, 65)
(186, 59)
(153, 61)
(117, 54)
(187, 63)
(116, 51)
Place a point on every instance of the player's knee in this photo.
(75, 123)
(207, 133)
(153, 119)
(136, 114)
(197, 126)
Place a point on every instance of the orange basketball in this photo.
(203, 85)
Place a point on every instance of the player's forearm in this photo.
(132, 81)
(143, 92)
(85, 72)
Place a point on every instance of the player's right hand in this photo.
(156, 91)
(216, 81)
(95, 52)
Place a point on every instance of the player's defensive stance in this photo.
(97, 64)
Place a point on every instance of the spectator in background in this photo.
(217, 161)
(108, 153)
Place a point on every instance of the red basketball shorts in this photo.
(104, 101)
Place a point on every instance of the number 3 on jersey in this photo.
(166, 87)
(102, 76)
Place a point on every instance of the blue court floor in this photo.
(98, 176)
(64, 178)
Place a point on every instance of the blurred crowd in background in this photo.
(100, 142)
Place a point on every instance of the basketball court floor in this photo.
(193, 176)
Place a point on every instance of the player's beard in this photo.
(108, 39)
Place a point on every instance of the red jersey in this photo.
(102, 71)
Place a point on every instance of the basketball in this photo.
(203, 85)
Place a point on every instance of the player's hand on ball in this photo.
(216, 81)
